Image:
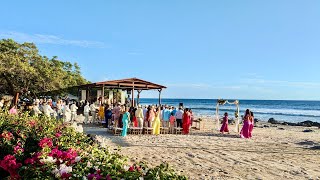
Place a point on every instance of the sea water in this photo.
(282, 110)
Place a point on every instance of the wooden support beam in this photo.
(138, 97)
(159, 97)
(102, 95)
(132, 96)
(129, 85)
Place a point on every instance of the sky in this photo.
(246, 49)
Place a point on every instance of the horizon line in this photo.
(234, 99)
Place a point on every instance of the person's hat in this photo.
(139, 106)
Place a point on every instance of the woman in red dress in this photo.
(224, 127)
(186, 121)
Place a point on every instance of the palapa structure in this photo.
(130, 84)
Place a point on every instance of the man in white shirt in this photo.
(93, 110)
(139, 115)
(47, 110)
(86, 113)
(66, 113)
(73, 109)
(145, 110)
(36, 109)
(178, 116)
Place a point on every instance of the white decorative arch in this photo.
(223, 102)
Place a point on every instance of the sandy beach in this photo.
(274, 152)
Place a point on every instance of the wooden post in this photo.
(79, 94)
(88, 95)
(16, 98)
(159, 97)
(138, 97)
(102, 93)
(132, 97)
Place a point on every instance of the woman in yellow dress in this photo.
(156, 122)
(101, 112)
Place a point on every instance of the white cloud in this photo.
(50, 39)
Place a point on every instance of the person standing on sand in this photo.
(171, 124)
(93, 110)
(150, 116)
(125, 122)
(86, 111)
(165, 117)
(139, 115)
(186, 121)
(191, 117)
(66, 113)
(156, 124)
(224, 127)
(178, 116)
(101, 112)
(107, 115)
(251, 124)
(73, 109)
(244, 133)
(116, 114)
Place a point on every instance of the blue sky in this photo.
(199, 49)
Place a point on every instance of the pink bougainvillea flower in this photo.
(46, 142)
(58, 135)
(65, 175)
(17, 149)
(56, 153)
(32, 123)
(131, 169)
(29, 161)
(9, 164)
(94, 177)
(7, 135)
(108, 177)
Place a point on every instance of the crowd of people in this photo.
(151, 116)
(121, 116)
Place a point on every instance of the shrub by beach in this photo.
(43, 148)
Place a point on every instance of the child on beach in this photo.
(224, 127)
(171, 120)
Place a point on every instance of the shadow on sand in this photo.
(213, 134)
(309, 145)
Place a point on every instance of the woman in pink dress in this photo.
(251, 124)
(186, 121)
(224, 127)
(191, 117)
(244, 133)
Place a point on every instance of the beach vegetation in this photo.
(44, 148)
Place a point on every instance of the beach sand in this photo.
(274, 152)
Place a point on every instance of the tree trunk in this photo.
(16, 97)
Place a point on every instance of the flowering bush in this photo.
(43, 148)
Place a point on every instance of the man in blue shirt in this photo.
(165, 117)
(174, 111)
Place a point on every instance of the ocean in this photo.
(281, 110)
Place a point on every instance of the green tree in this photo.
(23, 69)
